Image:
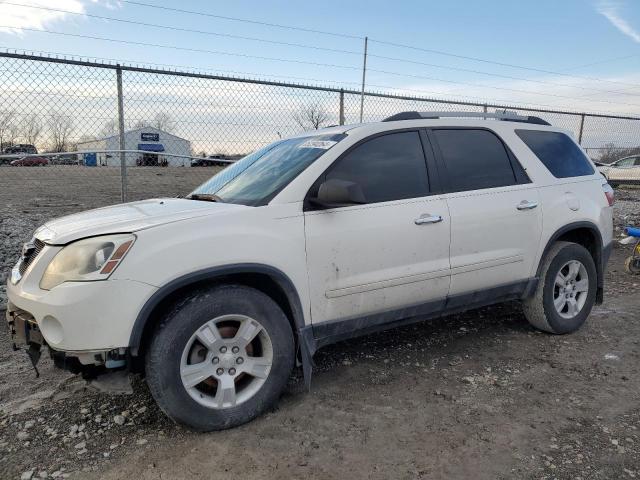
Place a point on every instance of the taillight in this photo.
(608, 192)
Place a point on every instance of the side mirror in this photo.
(338, 193)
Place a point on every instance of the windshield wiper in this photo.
(205, 197)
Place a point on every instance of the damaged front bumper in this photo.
(26, 335)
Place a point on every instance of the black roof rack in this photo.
(504, 116)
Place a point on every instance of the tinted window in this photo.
(562, 157)
(474, 159)
(389, 167)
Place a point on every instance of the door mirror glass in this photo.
(338, 193)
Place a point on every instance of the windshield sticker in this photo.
(322, 144)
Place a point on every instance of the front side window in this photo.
(388, 167)
(562, 157)
(260, 176)
(626, 162)
(474, 159)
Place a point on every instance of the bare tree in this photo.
(8, 130)
(610, 153)
(32, 129)
(140, 124)
(311, 117)
(60, 130)
(163, 121)
(109, 128)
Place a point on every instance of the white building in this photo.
(153, 141)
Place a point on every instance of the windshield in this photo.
(260, 176)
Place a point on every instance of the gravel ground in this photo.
(478, 394)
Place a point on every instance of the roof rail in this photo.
(504, 116)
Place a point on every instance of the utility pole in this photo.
(364, 73)
(123, 162)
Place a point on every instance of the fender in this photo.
(304, 334)
(601, 254)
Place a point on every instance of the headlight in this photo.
(87, 260)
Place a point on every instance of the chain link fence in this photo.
(179, 128)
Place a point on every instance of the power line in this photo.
(188, 49)
(235, 19)
(181, 29)
(386, 72)
(600, 62)
(414, 62)
(468, 70)
(394, 44)
(502, 64)
(348, 67)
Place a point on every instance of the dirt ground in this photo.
(479, 395)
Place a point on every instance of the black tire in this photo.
(181, 322)
(539, 309)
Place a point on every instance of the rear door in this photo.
(392, 251)
(496, 219)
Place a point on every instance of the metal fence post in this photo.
(123, 161)
(581, 129)
(341, 115)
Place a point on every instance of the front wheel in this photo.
(566, 291)
(220, 357)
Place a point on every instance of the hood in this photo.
(127, 217)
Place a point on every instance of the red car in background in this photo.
(30, 162)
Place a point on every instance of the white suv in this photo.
(312, 240)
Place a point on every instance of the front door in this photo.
(392, 251)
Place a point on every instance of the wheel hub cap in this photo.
(226, 361)
(570, 289)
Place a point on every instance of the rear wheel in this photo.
(220, 358)
(566, 291)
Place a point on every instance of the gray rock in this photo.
(119, 419)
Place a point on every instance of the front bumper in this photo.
(77, 317)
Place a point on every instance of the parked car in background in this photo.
(626, 170)
(30, 162)
(21, 148)
(64, 159)
(15, 152)
(210, 161)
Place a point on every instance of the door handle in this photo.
(527, 205)
(427, 218)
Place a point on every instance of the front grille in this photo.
(26, 261)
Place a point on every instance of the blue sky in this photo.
(556, 36)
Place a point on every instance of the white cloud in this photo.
(610, 10)
(14, 18)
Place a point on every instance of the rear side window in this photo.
(474, 159)
(562, 157)
(389, 167)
